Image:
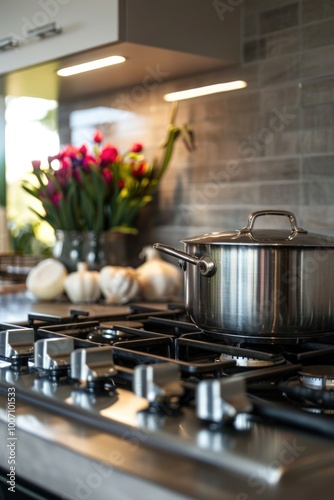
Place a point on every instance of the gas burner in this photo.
(114, 332)
(319, 411)
(253, 359)
(318, 377)
(110, 332)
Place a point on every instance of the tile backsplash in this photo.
(268, 146)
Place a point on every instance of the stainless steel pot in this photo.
(259, 282)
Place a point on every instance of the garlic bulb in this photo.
(158, 279)
(118, 284)
(82, 285)
(46, 280)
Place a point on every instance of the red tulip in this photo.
(98, 136)
(56, 199)
(136, 148)
(139, 170)
(108, 154)
(83, 150)
(107, 175)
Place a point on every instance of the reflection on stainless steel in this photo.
(16, 343)
(53, 353)
(94, 364)
(165, 409)
(221, 400)
(154, 382)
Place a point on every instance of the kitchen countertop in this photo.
(15, 307)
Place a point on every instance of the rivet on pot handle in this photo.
(205, 264)
(292, 218)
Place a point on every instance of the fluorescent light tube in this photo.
(90, 66)
(200, 91)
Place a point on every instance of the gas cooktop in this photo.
(127, 405)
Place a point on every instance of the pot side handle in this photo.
(205, 264)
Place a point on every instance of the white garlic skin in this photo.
(82, 285)
(46, 280)
(158, 279)
(118, 284)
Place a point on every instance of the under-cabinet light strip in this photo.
(90, 66)
(209, 89)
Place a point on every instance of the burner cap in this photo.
(317, 377)
(250, 361)
(113, 330)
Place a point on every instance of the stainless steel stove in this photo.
(126, 406)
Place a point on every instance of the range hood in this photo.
(161, 40)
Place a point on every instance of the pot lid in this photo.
(268, 237)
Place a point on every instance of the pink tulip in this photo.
(36, 164)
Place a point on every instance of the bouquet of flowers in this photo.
(100, 190)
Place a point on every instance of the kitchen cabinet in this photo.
(190, 26)
(84, 24)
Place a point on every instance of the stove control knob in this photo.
(92, 365)
(53, 354)
(158, 381)
(17, 344)
(221, 400)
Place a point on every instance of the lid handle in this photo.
(292, 218)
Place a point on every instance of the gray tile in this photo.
(316, 11)
(317, 62)
(251, 25)
(245, 101)
(319, 92)
(314, 167)
(285, 143)
(266, 193)
(280, 96)
(280, 194)
(318, 116)
(279, 18)
(284, 42)
(318, 35)
(259, 170)
(273, 4)
(282, 119)
(318, 218)
(251, 6)
(254, 50)
(240, 125)
(279, 69)
(316, 192)
(317, 141)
